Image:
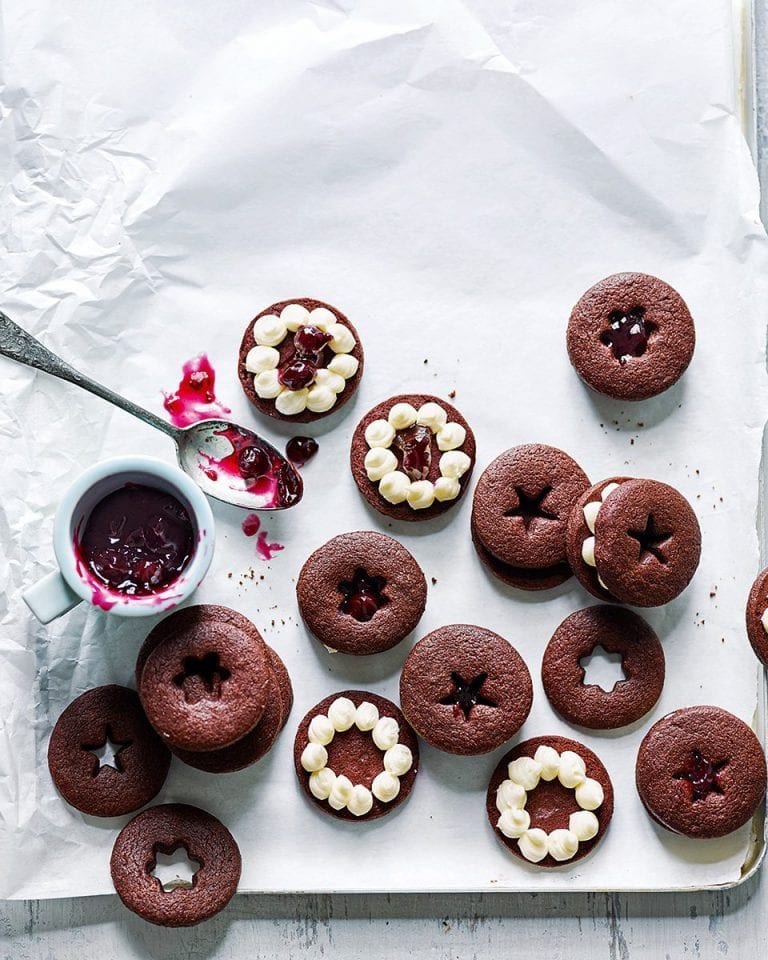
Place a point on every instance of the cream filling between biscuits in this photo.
(590, 511)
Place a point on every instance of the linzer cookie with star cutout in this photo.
(205, 678)
(701, 772)
(465, 689)
(520, 510)
(633, 541)
(300, 360)
(631, 336)
(361, 593)
(104, 757)
(412, 456)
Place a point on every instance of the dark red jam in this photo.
(702, 774)
(302, 364)
(137, 540)
(628, 334)
(466, 694)
(301, 449)
(414, 446)
(363, 595)
(195, 397)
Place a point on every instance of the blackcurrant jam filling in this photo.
(301, 449)
(702, 774)
(628, 334)
(137, 540)
(363, 595)
(413, 447)
(466, 694)
(301, 365)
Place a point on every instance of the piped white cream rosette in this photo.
(262, 360)
(333, 786)
(524, 775)
(381, 464)
(590, 511)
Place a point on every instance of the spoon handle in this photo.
(21, 346)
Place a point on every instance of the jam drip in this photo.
(628, 334)
(466, 695)
(300, 449)
(414, 448)
(137, 540)
(195, 398)
(702, 774)
(302, 364)
(363, 595)
(201, 678)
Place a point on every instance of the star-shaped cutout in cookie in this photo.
(651, 540)
(106, 753)
(530, 508)
(466, 694)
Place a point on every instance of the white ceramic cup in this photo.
(64, 588)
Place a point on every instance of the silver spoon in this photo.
(207, 450)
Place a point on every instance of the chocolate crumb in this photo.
(434, 581)
(452, 394)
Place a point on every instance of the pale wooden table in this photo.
(731, 923)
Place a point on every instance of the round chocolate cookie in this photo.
(205, 677)
(355, 755)
(616, 630)
(412, 456)
(163, 829)
(550, 801)
(256, 744)
(465, 689)
(644, 542)
(300, 360)
(631, 336)
(523, 579)
(701, 772)
(521, 505)
(361, 593)
(105, 759)
(757, 618)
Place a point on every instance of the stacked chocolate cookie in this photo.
(217, 695)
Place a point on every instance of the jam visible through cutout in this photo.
(201, 678)
(174, 868)
(137, 540)
(466, 694)
(702, 774)
(628, 334)
(363, 595)
(651, 540)
(302, 364)
(531, 507)
(413, 447)
(602, 669)
(107, 752)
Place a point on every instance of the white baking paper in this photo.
(453, 176)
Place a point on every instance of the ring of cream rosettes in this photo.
(381, 463)
(590, 512)
(338, 790)
(262, 360)
(512, 795)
